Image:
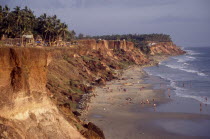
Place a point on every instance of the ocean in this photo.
(188, 76)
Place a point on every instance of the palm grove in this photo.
(18, 22)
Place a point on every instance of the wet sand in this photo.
(127, 108)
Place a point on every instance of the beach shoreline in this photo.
(127, 108)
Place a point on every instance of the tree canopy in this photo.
(23, 21)
(137, 37)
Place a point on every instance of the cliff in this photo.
(166, 48)
(41, 88)
(25, 108)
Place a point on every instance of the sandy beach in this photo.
(127, 108)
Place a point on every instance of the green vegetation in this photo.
(137, 38)
(18, 22)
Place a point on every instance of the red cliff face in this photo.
(106, 45)
(166, 48)
(29, 109)
(25, 109)
(22, 71)
(108, 48)
(40, 87)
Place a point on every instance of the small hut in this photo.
(27, 40)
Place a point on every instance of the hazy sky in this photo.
(187, 21)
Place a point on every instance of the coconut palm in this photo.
(63, 30)
(20, 21)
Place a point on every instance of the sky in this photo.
(187, 21)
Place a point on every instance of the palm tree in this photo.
(62, 30)
(6, 10)
(1, 20)
(1, 14)
(48, 29)
(18, 19)
(8, 30)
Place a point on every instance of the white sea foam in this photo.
(198, 98)
(191, 52)
(173, 84)
(182, 92)
(184, 59)
(194, 71)
(174, 66)
(186, 64)
(191, 58)
(184, 68)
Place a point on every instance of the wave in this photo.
(173, 84)
(181, 92)
(191, 52)
(201, 99)
(186, 64)
(191, 58)
(194, 71)
(184, 59)
(183, 68)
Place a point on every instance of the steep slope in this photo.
(166, 48)
(41, 89)
(25, 109)
(75, 71)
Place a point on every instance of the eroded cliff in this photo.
(166, 48)
(25, 108)
(41, 88)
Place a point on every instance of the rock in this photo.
(93, 132)
(76, 113)
(128, 99)
(100, 81)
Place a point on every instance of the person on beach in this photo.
(142, 102)
(200, 107)
(169, 94)
(154, 106)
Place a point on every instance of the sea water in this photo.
(188, 76)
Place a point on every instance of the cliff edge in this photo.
(25, 108)
(41, 88)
